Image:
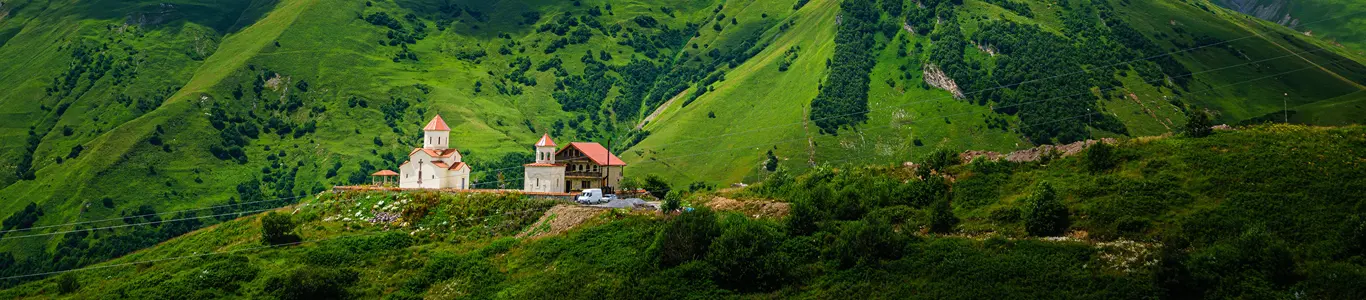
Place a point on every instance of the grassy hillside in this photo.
(113, 110)
(1117, 65)
(1332, 20)
(1257, 212)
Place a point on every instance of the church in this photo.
(571, 169)
(436, 165)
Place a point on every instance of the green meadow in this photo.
(1208, 217)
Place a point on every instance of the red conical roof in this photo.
(545, 141)
(437, 124)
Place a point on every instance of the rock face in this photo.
(1271, 10)
(936, 77)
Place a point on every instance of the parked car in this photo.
(595, 196)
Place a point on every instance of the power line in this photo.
(224, 252)
(1088, 114)
(146, 215)
(317, 240)
(995, 88)
(500, 182)
(1025, 125)
(1005, 106)
(137, 224)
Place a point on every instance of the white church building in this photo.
(575, 167)
(436, 165)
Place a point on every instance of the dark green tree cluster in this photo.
(638, 76)
(584, 93)
(22, 219)
(843, 98)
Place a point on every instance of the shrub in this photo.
(1198, 123)
(938, 160)
(224, 273)
(478, 275)
(656, 186)
(802, 219)
(312, 283)
(1101, 157)
(895, 215)
(1254, 265)
(629, 184)
(1356, 235)
(942, 219)
(672, 202)
(867, 241)
(278, 228)
(685, 238)
(746, 256)
(67, 283)
(1045, 215)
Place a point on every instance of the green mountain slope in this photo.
(1211, 217)
(1332, 20)
(113, 109)
(1115, 76)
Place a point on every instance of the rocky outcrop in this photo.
(936, 78)
(1271, 10)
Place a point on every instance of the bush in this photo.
(312, 283)
(867, 241)
(67, 283)
(746, 256)
(942, 219)
(1254, 265)
(222, 273)
(278, 228)
(629, 184)
(938, 160)
(685, 238)
(656, 186)
(672, 202)
(802, 219)
(1045, 215)
(479, 276)
(1101, 157)
(1198, 123)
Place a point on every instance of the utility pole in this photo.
(1285, 107)
(608, 168)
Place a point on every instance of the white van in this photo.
(594, 196)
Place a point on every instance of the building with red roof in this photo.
(436, 165)
(577, 166)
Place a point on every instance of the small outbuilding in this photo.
(383, 178)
